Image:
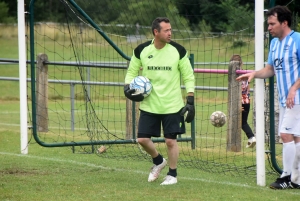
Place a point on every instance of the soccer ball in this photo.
(142, 85)
(218, 119)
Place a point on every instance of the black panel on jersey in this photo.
(139, 49)
(180, 49)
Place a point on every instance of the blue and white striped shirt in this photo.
(284, 56)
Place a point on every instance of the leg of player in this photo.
(148, 146)
(158, 160)
(173, 154)
(288, 155)
(246, 128)
(295, 177)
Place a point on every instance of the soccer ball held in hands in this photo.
(142, 85)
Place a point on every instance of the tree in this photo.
(144, 12)
(104, 11)
(220, 15)
(4, 17)
(238, 17)
(196, 11)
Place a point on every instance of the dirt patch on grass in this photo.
(17, 171)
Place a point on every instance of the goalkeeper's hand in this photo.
(190, 108)
(129, 94)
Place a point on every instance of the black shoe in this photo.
(282, 183)
(294, 186)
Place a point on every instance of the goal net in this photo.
(78, 98)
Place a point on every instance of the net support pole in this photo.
(22, 77)
(259, 93)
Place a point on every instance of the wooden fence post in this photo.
(234, 108)
(42, 93)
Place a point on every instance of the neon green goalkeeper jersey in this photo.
(164, 68)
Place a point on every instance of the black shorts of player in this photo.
(150, 125)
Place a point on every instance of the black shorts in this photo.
(150, 125)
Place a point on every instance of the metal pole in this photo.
(272, 115)
(72, 96)
(193, 125)
(259, 93)
(22, 75)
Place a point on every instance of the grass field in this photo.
(60, 174)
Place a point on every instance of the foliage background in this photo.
(196, 12)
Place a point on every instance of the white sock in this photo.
(288, 156)
(295, 178)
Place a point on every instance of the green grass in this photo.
(59, 174)
(9, 48)
(210, 141)
(107, 109)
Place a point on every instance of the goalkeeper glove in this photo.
(190, 108)
(129, 94)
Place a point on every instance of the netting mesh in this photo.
(85, 73)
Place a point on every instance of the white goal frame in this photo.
(259, 86)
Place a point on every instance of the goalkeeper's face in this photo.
(164, 35)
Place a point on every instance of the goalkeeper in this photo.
(164, 62)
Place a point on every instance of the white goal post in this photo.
(23, 77)
(259, 94)
(259, 87)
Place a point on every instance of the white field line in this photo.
(5, 124)
(134, 171)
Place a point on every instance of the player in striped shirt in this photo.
(284, 62)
